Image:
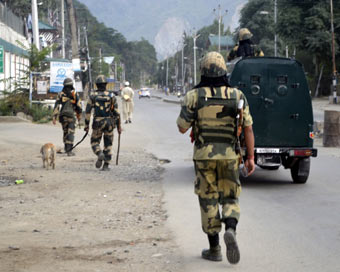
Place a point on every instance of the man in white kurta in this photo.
(127, 102)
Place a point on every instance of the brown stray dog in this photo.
(48, 152)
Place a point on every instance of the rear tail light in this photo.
(311, 135)
(300, 153)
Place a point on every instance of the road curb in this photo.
(171, 101)
(12, 119)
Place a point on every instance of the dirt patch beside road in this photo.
(77, 218)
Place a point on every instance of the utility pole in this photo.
(100, 60)
(35, 24)
(88, 58)
(183, 62)
(275, 22)
(219, 18)
(73, 24)
(334, 79)
(195, 37)
(167, 69)
(63, 28)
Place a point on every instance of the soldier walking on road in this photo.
(67, 103)
(127, 102)
(105, 118)
(211, 109)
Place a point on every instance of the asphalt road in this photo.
(283, 226)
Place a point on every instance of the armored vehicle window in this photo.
(283, 79)
(255, 79)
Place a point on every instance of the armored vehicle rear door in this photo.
(278, 95)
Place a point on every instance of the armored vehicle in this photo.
(280, 103)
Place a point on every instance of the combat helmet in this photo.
(68, 82)
(213, 65)
(244, 34)
(101, 79)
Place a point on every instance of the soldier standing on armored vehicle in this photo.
(66, 104)
(245, 46)
(105, 118)
(211, 109)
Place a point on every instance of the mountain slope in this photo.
(148, 19)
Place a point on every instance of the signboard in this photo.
(42, 87)
(1, 59)
(60, 71)
(76, 65)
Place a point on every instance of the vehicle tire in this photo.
(270, 167)
(300, 171)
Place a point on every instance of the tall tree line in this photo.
(139, 57)
(303, 27)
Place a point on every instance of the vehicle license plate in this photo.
(267, 150)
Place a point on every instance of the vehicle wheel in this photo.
(270, 167)
(300, 170)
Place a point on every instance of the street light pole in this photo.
(195, 37)
(167, 69)
(35, 24)
(219, 17)
(63, 28)
(183, 65)
(333, 55)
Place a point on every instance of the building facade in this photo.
(13, 45)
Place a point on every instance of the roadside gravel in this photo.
(77, 218)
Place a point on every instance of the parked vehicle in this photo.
(144, 92)
(281, 107)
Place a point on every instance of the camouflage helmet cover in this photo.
(244, 34)
(68, 82)
(213, 65)
(101, 79)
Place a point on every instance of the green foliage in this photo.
(303, 26)
(14, 102)
(139, 57)
(40, 113)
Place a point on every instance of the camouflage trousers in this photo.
(102, 128)
(217, 184)
(69, 126)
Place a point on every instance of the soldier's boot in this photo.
(68, 149)
(130, 120)
(214, 251)
(233, 252)
(106, 167)
(100, 159)
(212, 254)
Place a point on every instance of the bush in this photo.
(40, 113)
(18, 102)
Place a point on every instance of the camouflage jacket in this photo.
(104, 104)
(217, 122)
(66, 105)
(255, 48)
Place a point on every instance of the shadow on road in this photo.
(267, 178)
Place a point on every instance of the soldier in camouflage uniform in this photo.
(245, 46)
(210, 109)
(67, 103)
(106, 118)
